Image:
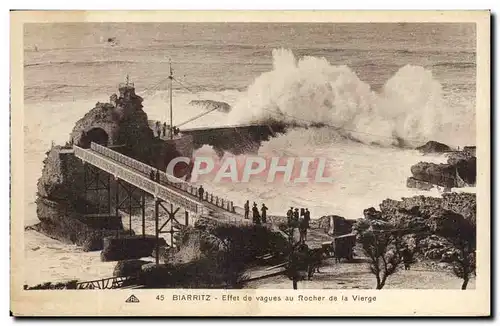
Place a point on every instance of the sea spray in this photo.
(310, 90)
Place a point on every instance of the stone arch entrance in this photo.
(96, 135)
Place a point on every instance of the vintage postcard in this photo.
(250, 163)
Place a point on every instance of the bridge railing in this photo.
(167, 179)
(124, 159)
(139, 180)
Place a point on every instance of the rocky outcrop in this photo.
(423, 206)
(463, 204)
(120, 122)
(130, 267)
(439, 215)
(459, 171)
(63, 207)
(61, 176)
(429, 222)
(129, 247)
(465, 163)
(467, 170)
(433, 147)
(61, 220)
(438, 174)
(411, 182)
(372, 214)
(470, 149)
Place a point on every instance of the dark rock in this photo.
(372, 214)
(433, 147)
(60, 221)
(449, 224)
(439, 174)
(128, 247)
(455, 157)
(120, 123)
(93, 243)
(430, 224)
(470, 150)
(129, 267)
(424, 207)
(461, 203)
(465, 163)
(467, 170)
(95, 239)
(155, 276)
(411, 182)
(61, 176)
(460, 171)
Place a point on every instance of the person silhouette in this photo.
(264, 213)
(247, 209)
(256, 215)
(201, 191)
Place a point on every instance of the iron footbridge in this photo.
(167, 188)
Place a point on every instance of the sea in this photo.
(371, 85)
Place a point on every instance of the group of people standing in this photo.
(258, 217)
(155, 176)
(299, 220)
(161, 129)
(295, 219)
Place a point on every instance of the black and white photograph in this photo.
(250, 155)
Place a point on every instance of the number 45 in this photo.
(160, 297)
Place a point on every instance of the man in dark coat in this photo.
(264, 213)
(407, 258)
(247, 209)
(296, 217)
(256, 215)
(289, 216)
(307, 217)
(201, 191)
(304, 225)
(158, 128)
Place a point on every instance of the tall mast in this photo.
(171, 77)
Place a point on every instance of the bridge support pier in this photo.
(159, 204)
(93, 180)
(130, 202)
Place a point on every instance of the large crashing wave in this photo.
(310, 90)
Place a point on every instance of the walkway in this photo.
(168, 188)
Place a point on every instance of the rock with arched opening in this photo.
(63, 206)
